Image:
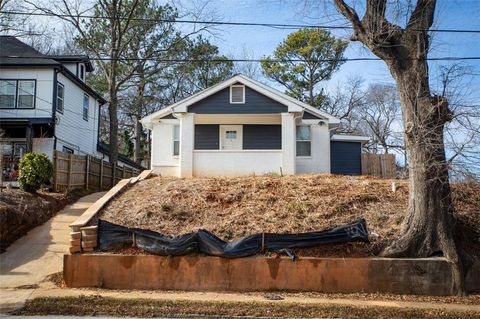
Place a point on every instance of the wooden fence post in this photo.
(70, 171)
(101, 174)
(87, 172)
(55, 170)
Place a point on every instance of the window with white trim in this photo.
(176, 140)
(60, 97)
(86, 106)
(304, 142)
(237, 94)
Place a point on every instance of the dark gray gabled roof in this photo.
(14, 52)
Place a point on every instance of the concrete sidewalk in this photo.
(40, 253)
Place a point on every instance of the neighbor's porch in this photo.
(18, 137)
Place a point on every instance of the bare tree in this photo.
(462, 134)
(429, 226)
(247, 68)
(345, 101)
(107, 39)
(380, 113)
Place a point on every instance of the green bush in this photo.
(34, 170)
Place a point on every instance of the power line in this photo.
(447, 58)
(255, 24)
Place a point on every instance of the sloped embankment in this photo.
(235, 207)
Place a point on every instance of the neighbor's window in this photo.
(8, 91)
(26, 94)
(19, 149)
(86, 105)
(303, 141)
(17, 94)
(176, 140)
(82, 72)
(67, 150)
(60, 97)
(237, 94)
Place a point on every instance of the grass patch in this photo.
(97, 305)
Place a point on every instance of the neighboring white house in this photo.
(45, 104)
(243, 127)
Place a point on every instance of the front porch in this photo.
(20, 136)
(235, 145)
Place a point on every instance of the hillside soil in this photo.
(21, 211)
(236, 207)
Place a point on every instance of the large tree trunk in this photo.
(137, 155)
(113, 134)
(428, 228)
(113, 90)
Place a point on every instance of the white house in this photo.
(243, 127)
(45, 104)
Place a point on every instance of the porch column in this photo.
(288, 143)
(186, 144)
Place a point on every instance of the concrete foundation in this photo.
(429, 276)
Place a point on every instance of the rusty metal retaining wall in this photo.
(429, 276)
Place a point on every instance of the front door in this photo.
(231, 137)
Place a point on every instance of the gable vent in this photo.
(237, 94)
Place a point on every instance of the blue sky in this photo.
(260, 41)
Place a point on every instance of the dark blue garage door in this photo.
(346, 158)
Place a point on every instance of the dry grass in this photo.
(100, 306)
(235, 207)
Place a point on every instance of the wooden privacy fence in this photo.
(87, 172)
(381, 165)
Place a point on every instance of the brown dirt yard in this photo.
(235, 207)
(21, 211)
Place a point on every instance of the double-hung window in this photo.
(237, 94)
(176, 140)
(304, 141)
(18, 94)
(86, 105)
(60, 97)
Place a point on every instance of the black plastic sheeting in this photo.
(113, 236)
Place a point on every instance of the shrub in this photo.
(34, 170)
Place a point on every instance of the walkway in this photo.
(40, 253)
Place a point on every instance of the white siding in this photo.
(43, 92)
(44, 145)
(71, 129)
(319, 161)
(72, 67)
(163, 161)
(236, 163)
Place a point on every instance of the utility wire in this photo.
(447, 58)
(255, 24)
